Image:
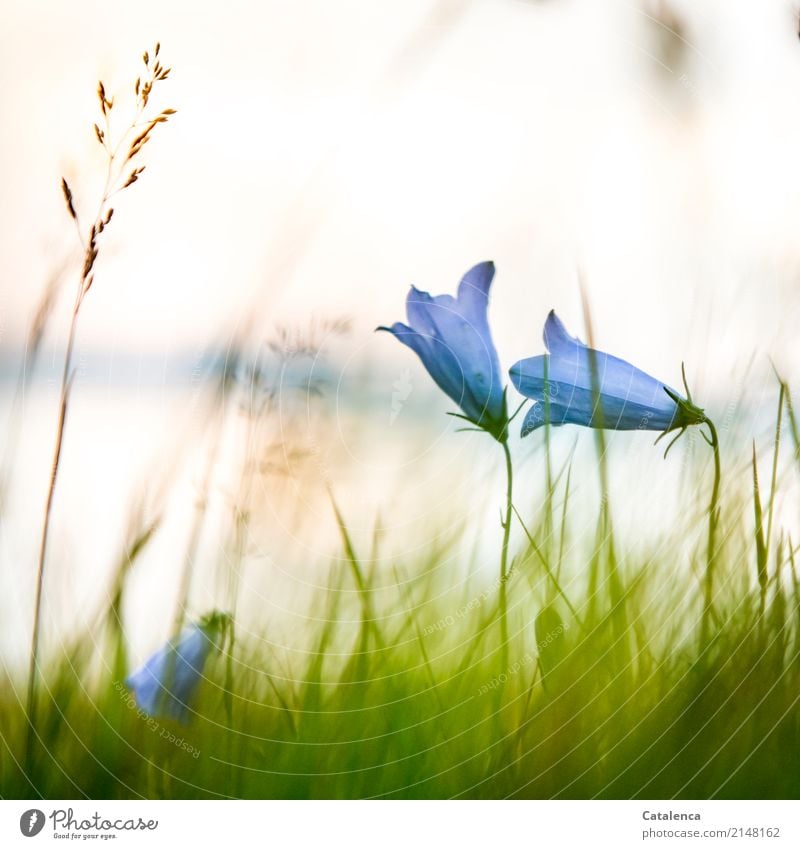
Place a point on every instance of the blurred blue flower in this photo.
(452, 338)
(166, 684)
(574, 384)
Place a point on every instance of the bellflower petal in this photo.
(165, 685)
(556, 339)
(574, 384)
(452, 338)
(473, 293)
(440, 362)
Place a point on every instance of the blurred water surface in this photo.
(410, 488)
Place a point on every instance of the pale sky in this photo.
(326, 155)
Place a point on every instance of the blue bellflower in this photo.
(574, 384)
(452, 338)
(166, 684)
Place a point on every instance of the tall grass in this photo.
(121, 149)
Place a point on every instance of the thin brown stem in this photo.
(66, 385)
(90, 249)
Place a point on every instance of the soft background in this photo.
(325, 156)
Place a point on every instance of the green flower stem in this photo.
(504, 557)
(507, 522)
(713, 522)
